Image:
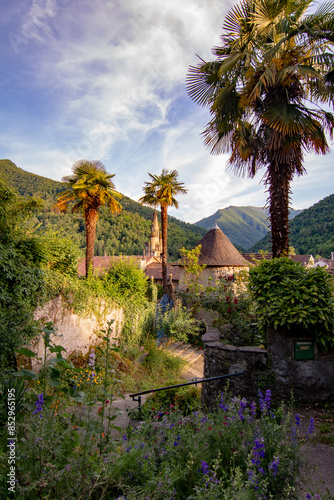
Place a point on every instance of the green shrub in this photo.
(290, 296)
(236, 320)
(125, 280)
(178, 324)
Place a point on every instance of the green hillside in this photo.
(244, 226)
(311, 231)
(28, 184)
(116, 234)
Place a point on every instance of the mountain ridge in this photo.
(244, 226)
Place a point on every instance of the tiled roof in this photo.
(302, 259)
(257, 256)
(155, 270)
(217, 250)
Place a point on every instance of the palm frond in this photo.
(202, 81)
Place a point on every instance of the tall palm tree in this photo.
(90, 186)
(273, 72)
(162, 191)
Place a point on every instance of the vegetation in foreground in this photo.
(68, 447)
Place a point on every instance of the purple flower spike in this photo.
(39, 405)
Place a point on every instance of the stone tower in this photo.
(154, 246)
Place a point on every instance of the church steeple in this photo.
(154, 246)
(155, 226)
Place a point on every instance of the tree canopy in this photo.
(272, 74)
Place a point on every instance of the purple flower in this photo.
(205, 468)
(243, 404)
(222, 406)
(265, 402)
(311, 426)
(273, 466)
(91, 361)
(258, 452)
(39, 404)
(125, 437)
(253, 409)
(297, 419)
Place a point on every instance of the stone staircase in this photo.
(193, 356)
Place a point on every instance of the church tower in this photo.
(154, 246)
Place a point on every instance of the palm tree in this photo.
(90, 186)
(162, 191)
(273, 72)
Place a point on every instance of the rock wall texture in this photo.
(74, 332)
(274, 368)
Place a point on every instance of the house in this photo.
(220, 257)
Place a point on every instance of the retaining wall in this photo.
(274, 368)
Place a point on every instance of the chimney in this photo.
(332, 255)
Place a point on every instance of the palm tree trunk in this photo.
(164, 223)
(90, 220)
(279, 177)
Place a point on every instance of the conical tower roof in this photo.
(217, 250)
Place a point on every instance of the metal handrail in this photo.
(194, 381)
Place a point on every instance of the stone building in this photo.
(154, 245)
(220, 257)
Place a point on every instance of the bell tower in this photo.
(154, 247)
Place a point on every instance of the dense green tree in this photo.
(162, 191)
(91, 187)
(273, 72)
(21, 279)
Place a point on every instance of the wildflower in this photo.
(311, 426)
(205, 468)
(125, 438)
(273, 466)
(243, 404)
(297, 419)
(91, 361)
(67, 467)
(39, 405)
(253, 409)
(258, 453)
(221, 404)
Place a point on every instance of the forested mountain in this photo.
(244, 226)
(311, 232)
(125, 233)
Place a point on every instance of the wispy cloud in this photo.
(106, 80)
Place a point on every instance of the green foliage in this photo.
(290, 296)
(61, 254)
(185, 400)
(178, 324)
(237, 320)
(229, 454)
(22, 288)
(124, 279)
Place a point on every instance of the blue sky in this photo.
(105, 80)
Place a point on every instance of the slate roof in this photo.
(218, 251)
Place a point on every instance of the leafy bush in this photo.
(291, 296)
(124, 279)
(185, 400)
(178, 324)
(237, 320)
(22, 288)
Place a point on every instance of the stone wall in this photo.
(77, 332)
(274, 368)
(223, 359)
